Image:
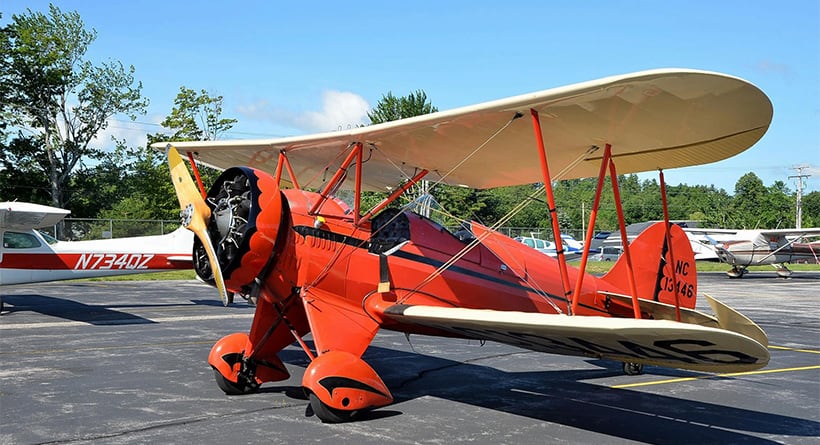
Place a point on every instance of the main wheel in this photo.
(232, 388)
(736, 272)
(330, 415)
(633, 368)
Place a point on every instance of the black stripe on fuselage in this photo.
(356, 242)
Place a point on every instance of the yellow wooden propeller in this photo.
(194, 212)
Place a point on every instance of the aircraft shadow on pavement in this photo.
(68, 310)
(563, 397)
(772, 275)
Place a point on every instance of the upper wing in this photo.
(708, 231)
(653, 119)
(655, 342)
(25, 216)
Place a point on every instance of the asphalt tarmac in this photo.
(126, 362)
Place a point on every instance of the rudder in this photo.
(655, 276)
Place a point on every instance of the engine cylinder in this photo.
(247, 212)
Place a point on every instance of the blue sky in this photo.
(288, 68)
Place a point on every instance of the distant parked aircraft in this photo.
(744, 248)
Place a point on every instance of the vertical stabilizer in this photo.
(656, 275)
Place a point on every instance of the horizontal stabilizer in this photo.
(735, 321)
(652, 342)
(663, 311)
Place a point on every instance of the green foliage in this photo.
(391, 108)
(62, 100)
(811, 210)
(197, 117)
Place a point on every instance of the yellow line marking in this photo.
(784, 348)
(730, 374)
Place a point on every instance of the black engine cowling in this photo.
(247, 211)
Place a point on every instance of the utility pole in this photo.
(799, 212)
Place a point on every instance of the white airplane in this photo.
(30, 256)
(744, 248)
(701, 244)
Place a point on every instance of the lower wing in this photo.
(652, 342)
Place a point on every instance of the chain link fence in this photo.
(83, 229)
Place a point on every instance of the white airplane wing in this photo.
(813, 231)
(26, 216)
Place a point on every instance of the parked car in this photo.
(598, 240)
(607, 253)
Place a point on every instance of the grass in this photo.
(600, 267)
(593, 267)
(188, 274)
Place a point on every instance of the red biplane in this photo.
(274, 227)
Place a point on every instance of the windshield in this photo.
(49, 239)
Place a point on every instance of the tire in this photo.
(233, 389)
(633, 368)
(330, 415)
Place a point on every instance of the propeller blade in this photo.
(195, 213)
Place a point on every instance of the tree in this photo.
(392, 108)
(811, 209)
(62, 100)
(195, 116)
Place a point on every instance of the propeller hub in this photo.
(186, 215)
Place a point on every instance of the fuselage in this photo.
(409, 252)
(28, 256)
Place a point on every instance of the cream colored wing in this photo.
(653, 342)
(653, 119)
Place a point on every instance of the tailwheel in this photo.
(631, 368)
(328, 414)
(234, 388)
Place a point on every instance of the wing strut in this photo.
(393, 196)
(197, 176)
(593, 215)
(340, 176)
(669, 243)
(284, 162)
(619, 208)
(556, 229)
(606, 164)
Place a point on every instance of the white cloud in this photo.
(340, 110)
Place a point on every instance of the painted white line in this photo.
(65, 324)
